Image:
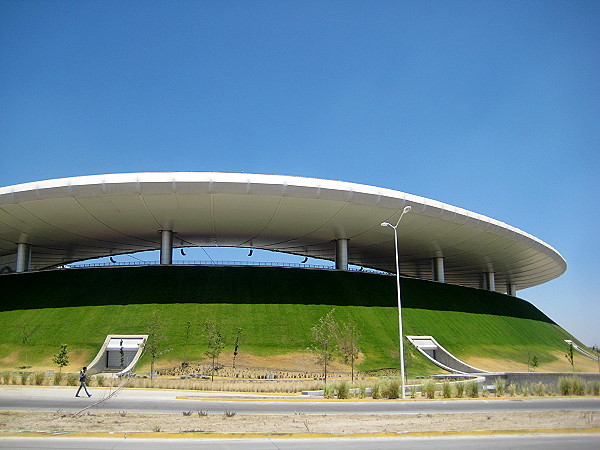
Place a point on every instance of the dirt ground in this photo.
(581, 363)
(56, 422)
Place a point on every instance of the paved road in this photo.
(546, 442)
(134, 400)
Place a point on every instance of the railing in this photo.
(220, 263)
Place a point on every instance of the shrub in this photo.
(392, 390)
(72, 379)
(499, 386)
(58, 378)
(512, 390)
(376, 391)
(39, 378)
(472, 389)
(564, 386)
(460, 389)
(446, 390)
(578, 386)
(571, 386)
(362, 391)
(328, 391)
(100, 380)
(343, 390)
(25, 377)
(6, 377)
(540, 389)
(413, 391)
(429, 389)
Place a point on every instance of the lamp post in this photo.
(395, 227)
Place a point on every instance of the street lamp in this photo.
(395, 227)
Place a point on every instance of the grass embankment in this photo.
(274, 307)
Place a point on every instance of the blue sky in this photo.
(490, 106)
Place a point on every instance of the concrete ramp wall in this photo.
(116, 346)
(439, 356)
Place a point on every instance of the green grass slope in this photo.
(274, 307)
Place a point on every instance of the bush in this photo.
(100, 380)
(6, 377)
(343, 390)
(328, 391)
(413, 391)
(564, 386)
(578, 386)
(39, 378)
(429, 389)
(460, 389)
(540, 389)
(446, 390)
(571, 386)
(362, 391)
(25, 377)
(392, 390)
(376, 391)
(499, 386)
(72, 379)
(58, 378)
(472, 389)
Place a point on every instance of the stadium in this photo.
(460, 271)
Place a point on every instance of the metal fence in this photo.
(220, 263)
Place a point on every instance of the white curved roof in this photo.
(71, 219)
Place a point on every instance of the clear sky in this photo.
(493, 106)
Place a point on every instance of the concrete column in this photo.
(23, 257)
(437, 266)
(341, 254)
(489, 281)
(511, 289)
(166, 247)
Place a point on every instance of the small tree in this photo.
(122, 354)
(215, 344)
(61, 359)
(569, 356)
(155, 342)
(534, 362)
(25, 335)
(236, 345)
(348, 337)
(188, 327)
(324, 341)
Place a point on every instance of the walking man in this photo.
(82, 379)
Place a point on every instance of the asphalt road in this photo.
(546, 442)
(138, 400)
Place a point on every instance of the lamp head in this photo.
(386, 224)
(407, 208)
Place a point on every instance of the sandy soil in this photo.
(21, 421)
(581, 364)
